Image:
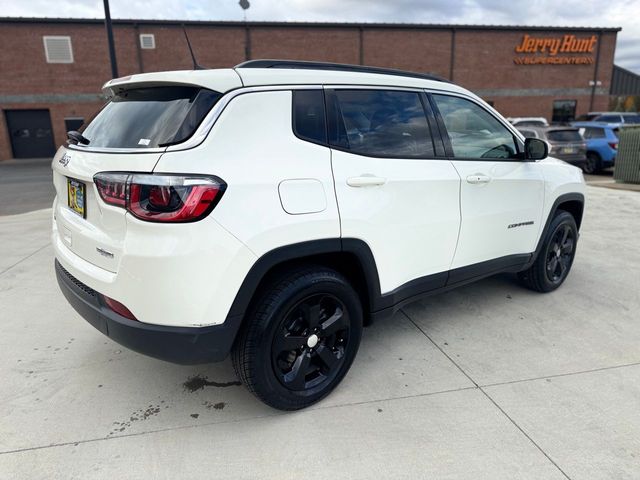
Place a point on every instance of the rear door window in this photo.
(379, 123)
(592, 132)
(610, 119)
(150, 117)
(564, 136)
(474, 133)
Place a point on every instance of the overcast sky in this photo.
(588, 13)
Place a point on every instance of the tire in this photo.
(593, 164)
(554, 261)
(300, 338)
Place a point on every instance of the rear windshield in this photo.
(564, 136)
(530, 123)
(632, 118)
(150, 117)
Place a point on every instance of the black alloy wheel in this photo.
(552, 265)
(560, 253)
(300, 337)
(309, 347)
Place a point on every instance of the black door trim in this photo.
(379, 304)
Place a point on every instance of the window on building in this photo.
(474, 132)
(147, 41)
(58, 49)
(73, 123)
(379, 123)
(564, 111)
(308, 115)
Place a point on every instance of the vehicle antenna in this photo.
(196, 65)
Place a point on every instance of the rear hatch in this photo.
(129, 134)
(567, 143)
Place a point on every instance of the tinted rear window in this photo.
(150, 117)
(379, 123)
(528, 133)
(530, 123)
(308, 115)
(564, 136)
(632, 118)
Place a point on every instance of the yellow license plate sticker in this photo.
(76, 196)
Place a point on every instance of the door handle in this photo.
(478, 179)
(366, 181)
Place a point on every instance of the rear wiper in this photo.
(76, 137)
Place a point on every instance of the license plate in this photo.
(569, 150)
(76, 197)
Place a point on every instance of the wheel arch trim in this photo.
(573, 198)
(308, 250)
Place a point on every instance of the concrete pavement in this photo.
(25, 185)
(489, 381)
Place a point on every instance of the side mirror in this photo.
(535, 149)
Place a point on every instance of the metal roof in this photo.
(624, 82)
(267, 24)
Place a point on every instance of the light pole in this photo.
(112, 50)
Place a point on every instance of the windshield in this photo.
(632, 118)
(150, 117)
(564, 136)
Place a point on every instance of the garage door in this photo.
(30, 133)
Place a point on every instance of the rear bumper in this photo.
(183, 345)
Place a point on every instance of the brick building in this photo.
(51, 70)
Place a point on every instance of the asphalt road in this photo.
(25, 185)
(486, 382)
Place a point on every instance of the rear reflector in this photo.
(119, 308)
(162, 197)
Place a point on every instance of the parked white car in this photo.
(520, 122)
(272, 209)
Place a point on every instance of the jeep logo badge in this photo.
(64, 161)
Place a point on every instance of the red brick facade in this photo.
(478, 58)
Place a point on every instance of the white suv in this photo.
(269, 210)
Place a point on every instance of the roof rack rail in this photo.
(343, 67)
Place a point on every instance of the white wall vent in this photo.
(58, 49)
(147, 41)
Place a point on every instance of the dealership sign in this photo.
(555, 50)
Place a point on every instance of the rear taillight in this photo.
(613, 145)
(161, 198)
(112, 187)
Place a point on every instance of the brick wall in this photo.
(482, 61)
